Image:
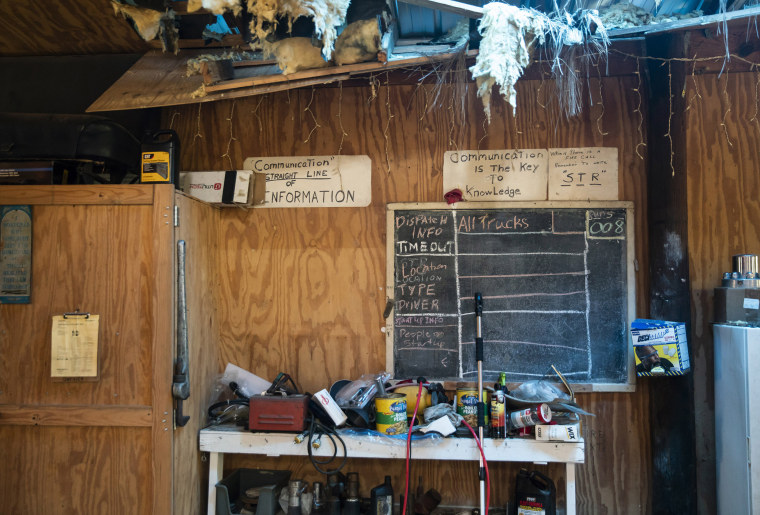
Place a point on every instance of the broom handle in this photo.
(481, 405)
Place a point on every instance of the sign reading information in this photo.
(315, 181)
(489, 175)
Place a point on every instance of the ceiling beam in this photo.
(451, 6)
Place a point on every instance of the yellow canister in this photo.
(390, 414)
(410, 392)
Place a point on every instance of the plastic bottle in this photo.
(498, 415)
(381, 498)
(536, 494)
(160, 157)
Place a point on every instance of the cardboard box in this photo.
(558, 432)
(225, 188)
(740, 305)
(27, 172)
(660, 348)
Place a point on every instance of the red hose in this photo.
(485, 465)
(409, 449)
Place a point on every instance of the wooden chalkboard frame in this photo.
(628, 385)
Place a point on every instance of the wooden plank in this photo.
(263, 90)
(673, 441)
(258, 62)
(157, 79)
(69, 415)
(351, 69)
(231, 439)
(229, 40)
(723, 221)
(64, 470)
(712, 52)
(450, 6)
(162, 337)
(119, 194)
(70, 27)
(199, 228)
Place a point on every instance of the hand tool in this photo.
(181, 384)
(481, 404)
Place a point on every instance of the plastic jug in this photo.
(535, 494)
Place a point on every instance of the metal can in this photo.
(390, 414)
(467, 405)
(541, 414)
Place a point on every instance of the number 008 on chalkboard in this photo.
(556, 280)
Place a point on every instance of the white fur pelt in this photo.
(509, 38)
(327, 16)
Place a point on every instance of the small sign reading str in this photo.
(588, 173)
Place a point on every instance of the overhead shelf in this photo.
(159, 79)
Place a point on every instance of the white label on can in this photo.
(751, 303)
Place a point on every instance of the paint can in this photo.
(390, 414)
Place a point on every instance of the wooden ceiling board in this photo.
(65, 27)
(160, 79)
(157, 79)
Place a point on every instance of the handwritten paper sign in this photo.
(588, 173)
(315, 181)
(497, 175)
(74, 347)
(15, 254)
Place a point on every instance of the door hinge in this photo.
(176, 216)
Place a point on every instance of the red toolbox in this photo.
(278, 413)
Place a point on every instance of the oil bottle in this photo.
(159, 158)
(535, 494)
(381, 498)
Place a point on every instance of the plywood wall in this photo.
(302, 290)
(723, 135)
(197, 227)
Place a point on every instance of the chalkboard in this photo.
(556, 280)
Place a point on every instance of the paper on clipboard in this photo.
(74, 346)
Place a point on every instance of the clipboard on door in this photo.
(74, 349)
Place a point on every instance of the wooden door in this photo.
(103, 446)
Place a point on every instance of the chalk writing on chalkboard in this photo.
(556, 284)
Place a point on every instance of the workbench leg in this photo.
(570, 488)
(215, 466)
